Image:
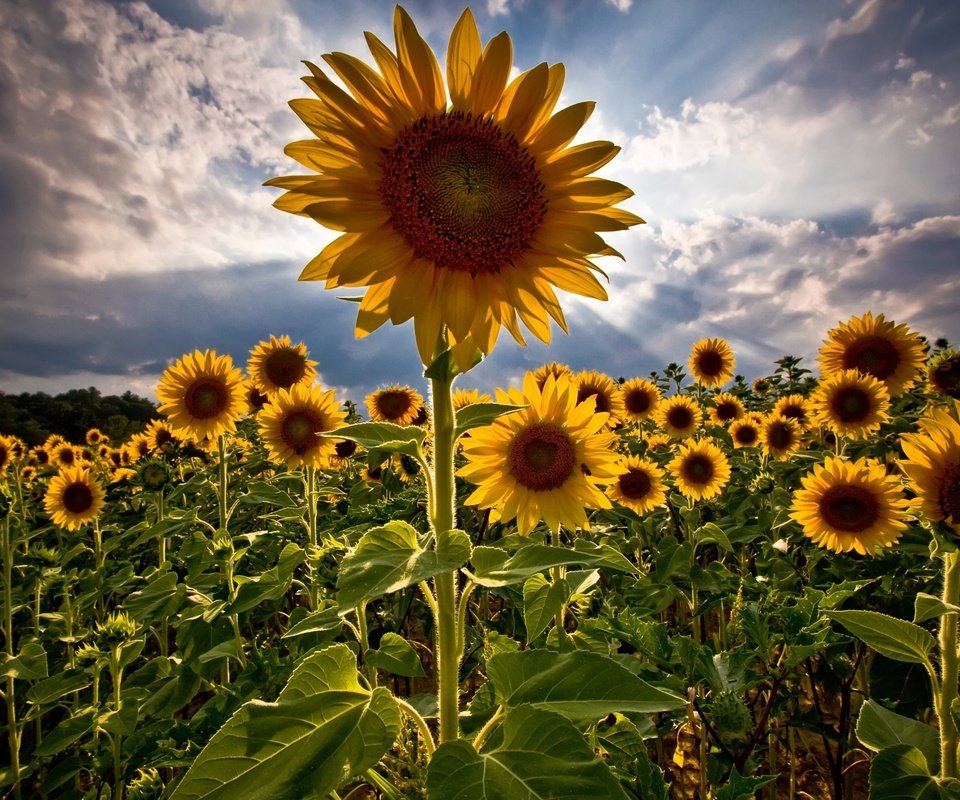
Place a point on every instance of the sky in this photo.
(797, 164)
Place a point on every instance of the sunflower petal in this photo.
(491, 75)
(463, 57)
(419, 71)
(562, 127)
(374, 308)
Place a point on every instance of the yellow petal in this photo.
(412, 291)
(463, 56)
(367, 86)
(374, 308)
(590, 193)
(522, 101)
(419, 71)
(319, 266)
(491, 74)
(573, 279)
(562, 127)
(575, 162)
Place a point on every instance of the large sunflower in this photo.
(639, 486)
(711, 362)
(466, 216)
(680, 416)
(891, 353)
(280, 364)
(700, 469)
(73, 498)
(726, 408)
(845, 506)
(292, 424)
(591, 383)
(850, 403)
(780, 436)
(400, 405)
(640, 399)
(547, 461)
(202, 395)
(932, 466)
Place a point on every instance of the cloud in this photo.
(621, 5)
(862, 19)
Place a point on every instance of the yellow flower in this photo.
(711, 362)
(465, 216)
(851, 403)
(95, 436)
(845, 506)
(468, 397)
(700, 469)
(160, 436)
(6, 453)
(292, 424)
(639, 486)
(73, 498)
(280, 364)
(679, 416)
(745, 432)
(547, 461)
(794, 406)
(640, 399)
(64, 455)
(554, 368)
(891, 353)
(726, 408)
(943, 373)
(138, 447)
(254, 397)
(659, 443)
(202, 395)
(932, 466)
(400, 405)
(591, 383)
(780, 436)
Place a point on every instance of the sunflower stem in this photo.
(311, 492)
(442, 516)
(949, 667)
(13, 728)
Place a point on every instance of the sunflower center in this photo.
(950, 494)
(680, 417)
(67, 456)
(851, 404)
(637, 401)
(698, 469)
(206, 398)
(256, 399)
(779, 436)
(603, 402)
(873, 354)
(635, 484)
(393, 404)
(299, 431)
(746, 435)
(285, 367)
(793, 412)
(77, 498)
(710, 363)
(462, 192)
(541, 457)
(162, 437)
(345, 448)
(851, 509)
(726, 411)
(946, 377)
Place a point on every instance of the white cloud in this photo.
(861, 20)
(498, 7)
(621, 5)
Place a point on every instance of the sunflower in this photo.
(202, 395)
(659, 443)
(28, 474)
(41, 455)
(700, 469)
(468, 397)
(845, 506)
(680, 416)
(711, 362)
(850, 403)
(932, 466)
(606, 391)
(405, 468)
(726, 408)
(292, 424)
(745, 432)
(640, 399)
(547, 461)
(343, 452)
(400, 405)
(464, 217)
(780, 436)
(53, 441)
(280, 364)
(372, 474)
(73, 498)
(943, 373)
(554, 368)
(254, 397)
(891, 353)
(761, 385)
(6, 455)
(95, 436)
(639, 486)
(161, 436)
(64, 455)
(794, 406)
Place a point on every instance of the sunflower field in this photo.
(682, 585)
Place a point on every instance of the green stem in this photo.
(311, 494)
(949, 667)
(161, 559)
(116, 675)
(13, 728)
(364, 637)
(488, 726)
(420, 722)
(223, 519)
(442, 515)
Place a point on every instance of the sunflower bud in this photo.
(116, 629)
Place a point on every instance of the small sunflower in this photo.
(745, 432)
(343, 452)
(932, 466)
(73, 498)
(846, 506)
(64, 455)
(28, 474)
(292, 424)
(138, 447)
(465, 217)
(6, 453)
(400, 405)
(280, 364)
(639, 486)
(726, 408)
(591, 383)
(640, 399)
(780, 436)
(943, 373)
(54, 440)
(679, 416)
(850, 403)
(711, 362)
(41, 455)
(468, 397)
(554, 368)
(547, 461)
(161, 437)
(254, 397)
(700, 469)
(202, 395)
(891, 353)
(794, 406)
(761, 386)
(372, 474)
(95, 436)
(659, 443)
(405, 468)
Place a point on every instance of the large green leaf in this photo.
(542, 601)
(901, 773)
(879, 728)
(390, 558)
(889, 636)
(541, 756)
(396, 655)
(494, 566)
(386, 436)
(323, 728)
(480, 414)
(579, 684)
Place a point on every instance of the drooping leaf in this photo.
(326, 619)
(494, 567)
(396, 655)
(29, 664)
(901, 773)
(66, 733)
(889, 636)
(927, 606)
(542, 601)
(405, 439)
(879, 728)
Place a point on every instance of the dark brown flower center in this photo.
(727, 411)
(851, 404)
(67, 456)
(393, 404)
(710, 363)
(462, 192)
(541, 457)
(206, 398)
(585, 391)
(746, 435)
(946, 377)
(873, 354)
(162, 437)
(697, 468)
(847, 508)
(949, 498)
(77, 498)
(637, 401)
(4, 456)
(345, 448)
(791, 411)
(285, 366)
(255, 399)
(680, 417)
(779, 436)
(299, 430)
(635, 484)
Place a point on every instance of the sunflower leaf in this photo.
(542, 601)
(445, 368)
(379, 435)
(889, 636)
(397, 656)
(878, 728)
(902, 772)
(479, 414)
(494, 566)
